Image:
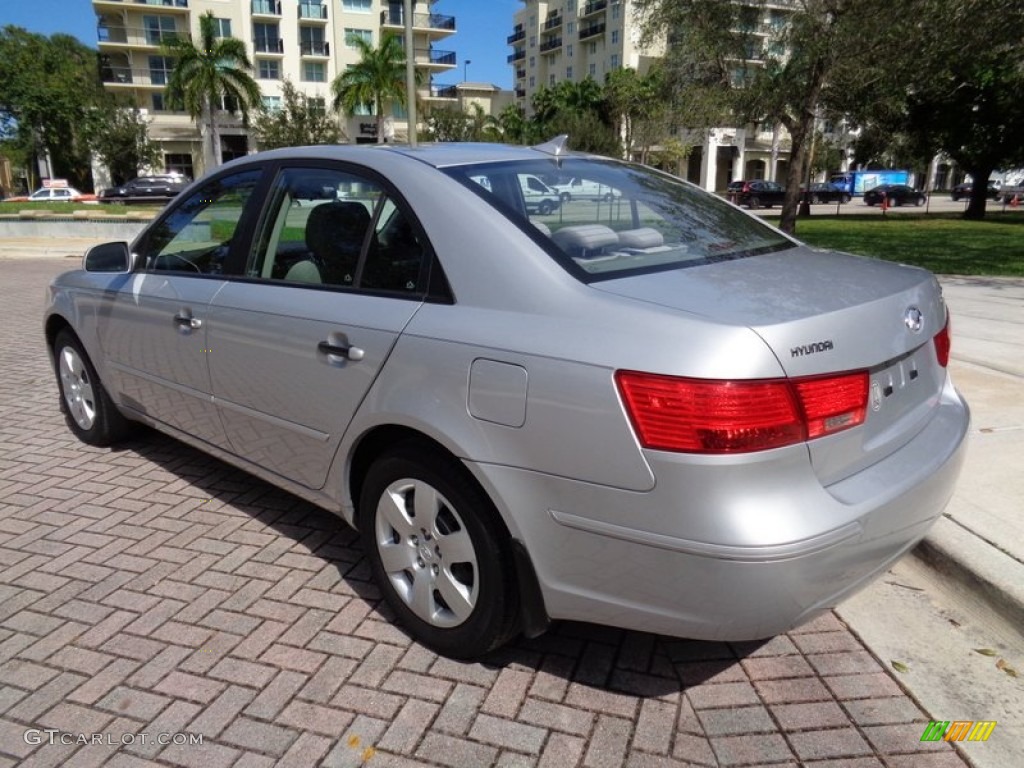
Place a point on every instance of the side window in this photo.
(196, 237)
(334, 228)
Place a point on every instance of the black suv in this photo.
(757, 193)
(156, 188)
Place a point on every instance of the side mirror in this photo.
(109, 257)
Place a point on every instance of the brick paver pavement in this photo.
(153, 590)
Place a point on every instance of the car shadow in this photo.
(572, 655)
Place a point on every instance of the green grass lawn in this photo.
(66, 209)
(943, 243)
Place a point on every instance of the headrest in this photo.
(584, 238)
(644, 237)
(337, 227)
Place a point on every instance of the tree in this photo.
(724, 53)
(119, 137)
(48, 89)
(299, 122)
(959, 90)
(377, 80)
(638, 104)
(578, 109)
(207, 76)
(452, 124)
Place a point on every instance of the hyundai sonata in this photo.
(652, 411)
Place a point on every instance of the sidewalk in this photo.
(980, 539)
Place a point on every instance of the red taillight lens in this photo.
(710, 416)
(942, 344)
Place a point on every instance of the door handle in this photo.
(187, 321)
(355, 354)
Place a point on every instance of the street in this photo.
(155, 590)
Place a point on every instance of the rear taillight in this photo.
(942, 344)
(710, 416)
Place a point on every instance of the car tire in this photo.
(815, 200)
(545, 207)
(919, 201)
(565, 197)
(753, 203)
(88, 409)
(847, 198)
(438, 551)
(609, 197)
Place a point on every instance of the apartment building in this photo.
(573, 40)
(305, 41)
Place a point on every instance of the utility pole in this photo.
(410, 75)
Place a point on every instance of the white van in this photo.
(538, 196)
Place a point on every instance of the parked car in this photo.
(664, 415)
(894, 194)
(53, 195)
(1012, 194)
(824, 192)
(961, 191)
(159, 188)
(759, 194)
(585, 189)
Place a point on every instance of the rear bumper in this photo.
(728, 550)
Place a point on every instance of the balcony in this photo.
(312, 12)
(315, 48)
(134, 76)
(595, 7)
(592, 31)
(135, 36)
(515, 37)
(551, 45)
(431, 22)
(435, 58)
(520, 93)
(266, 8)
(552, 23)
(520, 74)
(450, 92)
(268, 45)
(517, 56)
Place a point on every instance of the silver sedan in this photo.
(648, 410)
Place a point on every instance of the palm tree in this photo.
(378, 79)
(206, 75)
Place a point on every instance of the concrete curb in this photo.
(977, 566)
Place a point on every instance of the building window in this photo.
(160, 68)
(158, 28)
(615, 11)
(568, 73)
(533, 41)
(357, 6)
(268, 69)
(266, 38)
(570, 28)
(570, 6)
(551, 79)
(178, 163)
(317, 105)
(366, 35)
(223, 27)
(533, 81)
(533, 62)
(314, 72)
(272, 103)
(568, 51)
(615, 61)
(593, 69)
(158, 102)
(615, 37)
(591, 48)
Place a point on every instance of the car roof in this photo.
(439, 155)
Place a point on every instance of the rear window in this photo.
(604, 219)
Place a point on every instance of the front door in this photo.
(154, 329)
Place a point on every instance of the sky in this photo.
(483, 26)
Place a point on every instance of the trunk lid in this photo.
(822, 312)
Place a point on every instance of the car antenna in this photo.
(555, 147)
